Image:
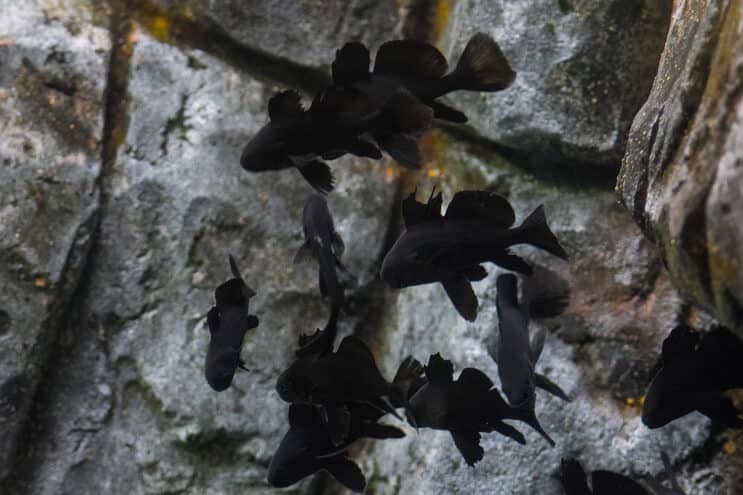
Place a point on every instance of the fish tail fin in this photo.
(509, 431)
(544, 293)
(536, 232)
(528, 416)
(482, 67)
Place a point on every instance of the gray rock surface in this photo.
(311, 30)
(53, 64)
(584, 68)
(681, 175)
(109, 317)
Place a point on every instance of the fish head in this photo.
(221, 364)
(292, 461)
(669, 397)
(268, 150)
(294, 385)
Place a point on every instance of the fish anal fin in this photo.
(536, 344)
(460, 292)
(439, 370)
(319, 176)
(506, 259)
(482, 205)
(346, 472)
(468, 443)
(410, 59)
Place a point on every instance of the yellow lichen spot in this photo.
(433, 172)
(40, 282)
(159, 26)
(391, 173)
(441, 19)
(631, 401)
(730, 447)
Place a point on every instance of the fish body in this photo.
(449, 249)
(321, 342)
(337, 122)
(465, 407)
(324, 244)
(420, 69)
(228, 321)
(696, 370)
(307, 447)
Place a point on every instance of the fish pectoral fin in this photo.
(506, 259)
(536, 343)
(318, 174)
(285, 105)
(346, 472)
(241, 365)
(402, 148)
(410, 59)
(546, 384)
(304, 254)
(252, 322)
(482, 205)
(336, 241)
(468, 443)
(338, 421)
(461, 294)
(351, 64)
(445, 112)
(212, 319)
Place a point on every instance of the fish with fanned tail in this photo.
(228, 321)
(449, 249)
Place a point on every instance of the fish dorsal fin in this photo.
(354, 348)
(285, 105)
(439, 370)
(680, 343)
(335, 103)
(302, 415)
(475, 380)
(482, 205)
(410, 59)
(414, 212)
(351, 63)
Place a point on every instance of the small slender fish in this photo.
(449, 249)
(603, 482)
(228, 321)
(337, 122)
(466, 407)
(420, 68)
(336, 379)
(307, 447)
(696, 371)
(323, 243)
(545, 294)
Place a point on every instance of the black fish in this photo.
(228, 322)
(307, 447)
(466, 407)
(336, 123)
(335, 379)
(420, 68)
(603, 482)
(323, 243)
(546, 294)
(449, 249)
(696, 371)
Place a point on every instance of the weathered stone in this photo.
(130, 391)
(584, 68)
(602, 350)
(681, 175)
(53, 64)
(305, 32)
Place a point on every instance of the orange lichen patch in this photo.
(730, 447)
(157, 23)
(441, 15)
(634, 404)
(391, 173)
(6, 42)
(40, 282)
(432, 144)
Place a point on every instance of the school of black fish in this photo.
(337, 396)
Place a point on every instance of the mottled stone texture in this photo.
(53, 64)
(111, 242)
(306, 32)
(681, 177)
(584, 68)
